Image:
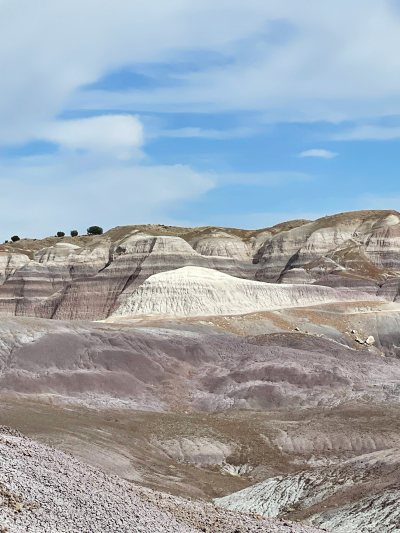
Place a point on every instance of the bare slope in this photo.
(361, 494)
(47, 491)
(194, 291)
(194, 366)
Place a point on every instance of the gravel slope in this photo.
(43, 490)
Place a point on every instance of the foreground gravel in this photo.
(43, 490)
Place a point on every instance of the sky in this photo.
(197, 112)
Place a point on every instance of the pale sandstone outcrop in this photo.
(57, 253)
(194, 291)
(130, 263)
(222, 244)
(9, 263)
(87, 261)
(382, 247)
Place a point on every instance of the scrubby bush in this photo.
(60, 234)
(95, 230)
(74, 233)
(15, 238)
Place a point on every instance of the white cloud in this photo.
(369, 133)
(334, 61)
(119, 135)
(340, 62)
(42, 195)
(316, 152)
(108, 196)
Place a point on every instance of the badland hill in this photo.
(259, 369)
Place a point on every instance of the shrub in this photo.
(74, 233)
(95, 230)
(5, 241)
(60, 234)
(15, 238)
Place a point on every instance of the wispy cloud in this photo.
(236, 133)
(72, 188)
(376, 201)
(108, 195)
(271, 178)
(316, 152)
(119, 135)
(369, 133)
(318, 68)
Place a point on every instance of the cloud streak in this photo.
(118, 135)
(109, 195)
(336, 61)
(316, 152)
(200, 133)
(78, 189)
(369, 133)
(332, 62)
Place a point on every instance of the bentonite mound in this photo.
(194, 291)
(43, 490)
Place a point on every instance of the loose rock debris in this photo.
(47, 491)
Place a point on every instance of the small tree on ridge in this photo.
(95, 230)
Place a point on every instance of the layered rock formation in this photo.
(374, 233)
(222, 244)
(95, 276)
(195, 366)
(194, 291)
(282, 343)
(354, 283)
(9, 263)
(68, 282)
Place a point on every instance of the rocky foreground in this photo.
(43, 490)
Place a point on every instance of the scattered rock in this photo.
(77, 497)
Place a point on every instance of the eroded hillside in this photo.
(209, 361)
(90, 277)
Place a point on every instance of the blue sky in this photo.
(226, 112)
